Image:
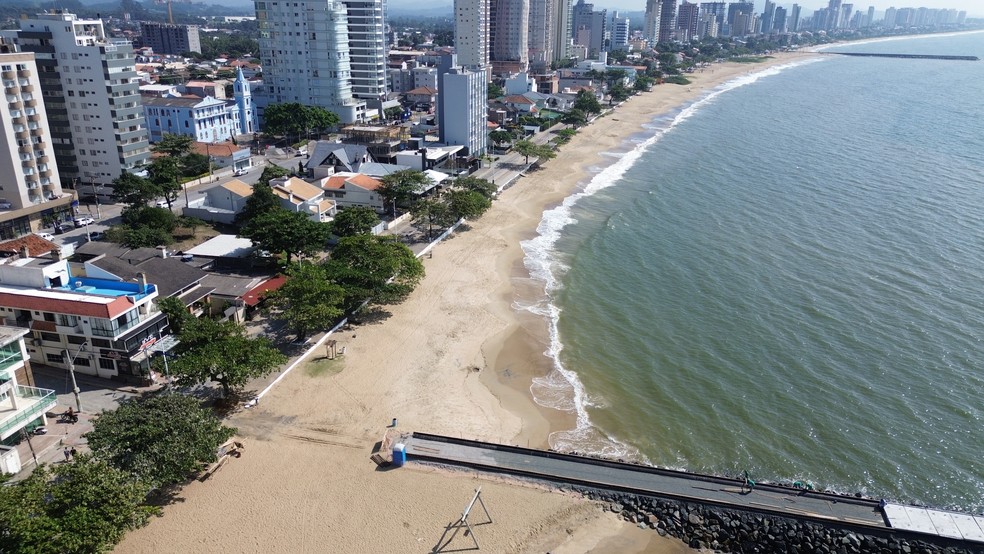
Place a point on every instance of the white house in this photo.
(354, 189)
(297, 195)
(207, 119)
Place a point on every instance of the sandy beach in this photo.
(457, 359)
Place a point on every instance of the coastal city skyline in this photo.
(972, 7)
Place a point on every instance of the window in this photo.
(105, 363)
(82, 361)
(100, 343)
(72, 339)
(49, 316)
(55, 358)
(67, 320)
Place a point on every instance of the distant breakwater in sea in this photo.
(781, 279)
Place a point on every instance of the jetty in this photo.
(857, 514)
(907, 56)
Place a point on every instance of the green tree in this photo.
(500, 137)
(575, 118)
(221, 351)
(545, 152)
(175, 146)
(307, 300)
(318, 120)
(261, 202)
(467, 204)
(432, 212)
(194, 165)
(160, 439)
(141, 237)
(495, 91)
(176, 312)
(401, 187)
(642, 83)
(587, 102)
(481, 186)
(565, 135)
(357, 220)
(271, 172)
(149, 216)
(393, 113)
(164, 173)
(284, 119)
(374, 267)
(133, 190)
(83, 506)
(525, 148)
(293, 233)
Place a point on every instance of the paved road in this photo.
(720, 491)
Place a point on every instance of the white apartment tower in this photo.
(541, 34)
(471, 32)
(29, 182)
(620, 32)
(304, 47)
(464, 103)
(563, 30)
(90, 89)
(367, 47)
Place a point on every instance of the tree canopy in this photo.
(402, 187)
(160, 439)
(83, 506)
(587, 102)
(295, 119)
(261, 202)
(293, 233)
(357, 220)
(133, 190)
(221, 351)
(369, 266)
(307, 301)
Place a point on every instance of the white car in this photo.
(83, 221)
(240, 172)
(46, 236)
(160, 204)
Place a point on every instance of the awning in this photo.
(254, 296)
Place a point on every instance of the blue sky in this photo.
(974, 8)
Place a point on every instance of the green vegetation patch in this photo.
(323, 367)
(751, 59)
(677, 80)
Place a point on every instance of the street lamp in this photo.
(71, 368)
(92, 184)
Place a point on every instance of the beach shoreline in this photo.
(456, 358)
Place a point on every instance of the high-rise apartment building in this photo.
(541, 33)
(471, 32)
(620, 32)
(736, 10)
(367, 47)
(510, 47)
(779, 22)
(90, 90)
(870, 19)
(667, 20)
(794, 19)
(768, 16)
(170, 39)
(562, 30)
(304, 48)
(687, 19)
(29, 182)
(650, 28)
(719, 9)
(463, 96)
(590, 27)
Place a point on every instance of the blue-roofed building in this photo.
(101, 323)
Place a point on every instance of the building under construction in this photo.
(383, 142)
(165, 38)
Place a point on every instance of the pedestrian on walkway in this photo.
(73, 452)
(68, 454)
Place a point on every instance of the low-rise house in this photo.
(225, 154)
(236, 297)
(297, 195)
(202, 89)
(221, 203)
(423, 98)
(329, 157)
(354, 189)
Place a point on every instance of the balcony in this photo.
(7, 75)
(25, 73)
(32, 403)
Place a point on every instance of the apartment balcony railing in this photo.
(32, 403)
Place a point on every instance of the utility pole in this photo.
(92, 183)
(71, 372)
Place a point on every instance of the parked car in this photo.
(46, 236)
(97, 235)
(240, 172)
(160, 204)
(83, 221)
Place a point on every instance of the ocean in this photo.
(785, 277)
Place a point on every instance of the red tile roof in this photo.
(254, 296)
(109, 310)
(36, 246)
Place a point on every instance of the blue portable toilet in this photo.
(399, 454)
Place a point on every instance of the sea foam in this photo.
(562, 389)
